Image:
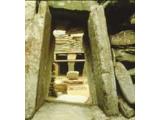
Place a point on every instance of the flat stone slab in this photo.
(70, 98)
(72, 75)
(63, 111)
(125, 82)
(74, 81)
(123, 38)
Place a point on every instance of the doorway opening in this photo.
(69, 75)
(63, 66)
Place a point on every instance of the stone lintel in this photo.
(73, 5)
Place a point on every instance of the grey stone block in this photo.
(125, 82)
(125, 109)
(72, 75)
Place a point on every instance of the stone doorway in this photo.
(69, 81)
(98, 58)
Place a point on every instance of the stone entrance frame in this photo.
(39, 57)
(39, 45)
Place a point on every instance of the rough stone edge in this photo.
(107, 107)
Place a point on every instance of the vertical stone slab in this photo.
(71, 64)
(44, 77)
(30, 7)
(89, 69)
(84, 72)
(102, 62)
(37, 47)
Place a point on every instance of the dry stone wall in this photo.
(123, 48)
(68, 44)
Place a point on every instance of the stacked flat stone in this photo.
(68, 44)
(123, 48)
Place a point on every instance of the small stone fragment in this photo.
(125, 109)
(132, 71)
(72, 75)
(62, 87)
(132, 19)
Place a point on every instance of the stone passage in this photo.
(106, 56)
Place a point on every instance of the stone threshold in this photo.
(53, 100)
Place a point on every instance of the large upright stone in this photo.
(89, 69)
(125, 82)
(71, 64)
(30, 7)
(102, 62)
(37, 59)
(84, 70)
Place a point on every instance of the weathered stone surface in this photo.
(132, 19)
(84, 69)
(55, 69)
(62, 87)
(63, 111)
(125, 109)
(72, 75)
(71, 64)
(132, 71)
(72, 5)
(102, 62)
(52, 91)
(124, 55)
(89, 69)
(125, 82)
(74, 81)
(29, 11)
(123, 38)
(37, 61)
(68, 43)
